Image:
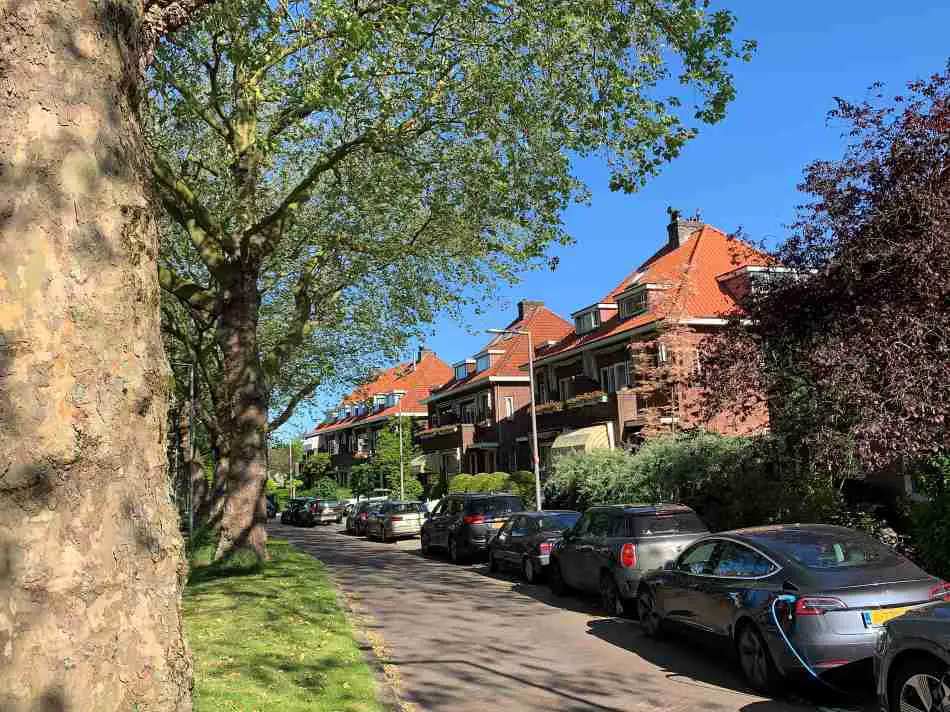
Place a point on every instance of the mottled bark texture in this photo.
(91, 563)
(245, 513)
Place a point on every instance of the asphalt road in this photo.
(458, 638)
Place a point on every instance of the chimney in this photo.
(525, 304)
(678, 230)
(423, 352)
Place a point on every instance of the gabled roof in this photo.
(543, 324)
(416, 378)
(688, 275)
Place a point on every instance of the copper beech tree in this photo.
(91, 563)
(318, 155)
(852, 346)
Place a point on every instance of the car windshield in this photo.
(667, 523)
(824, 549)
(406, 508)
(559, 522)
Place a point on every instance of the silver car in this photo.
(912, 665)
(395, 519)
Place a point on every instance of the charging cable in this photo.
(786, 598)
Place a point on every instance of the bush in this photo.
(521, 483)
(930, 528)
(581, 479)
(325, 488)
(461, 483)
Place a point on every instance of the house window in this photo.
(564, 388)
(542, 386)
(484, 406)
(607, 379)
(634, 304)
(615, 377)
(588, 321)
(460, 372)
(379, 401)
(509, 406)
(483, 362)
(662, 354)
(468, 412)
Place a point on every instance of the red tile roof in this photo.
(543, 324)
(417, 379)
(692, 291)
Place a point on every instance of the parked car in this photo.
(395, 519)
(319, 511)
(293, 510)
(526, 540)
(612, 546)
(462, 524)
(912, 664)
(361, 515)
(844, 586)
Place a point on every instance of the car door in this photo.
(520, 534)
(569, 555)
(438, 526)
(680, 598)
(591, 548)
(502, 543)
(739, 579)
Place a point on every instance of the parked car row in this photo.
(786, 600)
(310, 511)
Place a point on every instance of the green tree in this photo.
(315, 467)
(315, 158)
(387, 457)
(325, 488)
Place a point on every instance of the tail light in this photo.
(545, 547)
(364, 515)
(473, 519)
(313, 507)
(628, 555)
(395, 519)
(941, 592)
(817, 605)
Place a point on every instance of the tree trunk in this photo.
(91, 563)
(245, 512)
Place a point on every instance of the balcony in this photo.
(446, 437)
(577, 412)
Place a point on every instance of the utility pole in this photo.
(534, 417)
(402, 480)
(290, 462)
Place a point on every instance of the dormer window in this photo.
(461, 371)
(587, 321)
(634, 304)
(379, 402)
(483, 362)
(392, 399)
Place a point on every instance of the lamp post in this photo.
(402, 480)
(534, 415)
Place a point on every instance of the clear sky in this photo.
(742, 172)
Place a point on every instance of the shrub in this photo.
(461, 483)
(521, 483)
(581, 479)
(325, 488)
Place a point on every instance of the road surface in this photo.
(458, 638)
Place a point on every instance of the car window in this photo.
(583, 525)
(506, 528)
(404, 508)
(454, 507)
(666, 523)
(601, 523)
(697, 559)
(832, 548)
(738, 561)
(622, 527)
(521, 527)
(558, 522)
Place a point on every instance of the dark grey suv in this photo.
(912, 663)
(463, 524)
(612, 546)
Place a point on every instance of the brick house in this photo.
(349, 431)
(476, 417)
(594, 385)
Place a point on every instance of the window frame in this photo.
(710, 563)
(482, 363)
(743, 545)
(509, 406)
(636, 303)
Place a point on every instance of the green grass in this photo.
(271, 636)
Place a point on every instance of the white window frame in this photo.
(483, 363)
(634, 304)
(588, 321)
(461, 372)
(509, 406)
(662, 353)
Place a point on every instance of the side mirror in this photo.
(669, 565)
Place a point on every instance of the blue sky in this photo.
(743, 171)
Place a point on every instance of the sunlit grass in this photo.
(271, 637)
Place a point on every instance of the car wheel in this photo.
(424, 546)
(610, 599)
(556, 580)
(921, 685)
(650, 620)
(454, 555)
(755, 659)
(528, 570)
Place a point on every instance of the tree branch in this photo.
(292, 404)
(163, 17)
(191, 294)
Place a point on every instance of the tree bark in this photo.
(245, 513)
(91, 559)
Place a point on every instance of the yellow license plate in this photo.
(882, 616)
(497, 525)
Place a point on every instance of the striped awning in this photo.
(594, 437)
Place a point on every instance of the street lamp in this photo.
(534, 416)
(402, 481)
